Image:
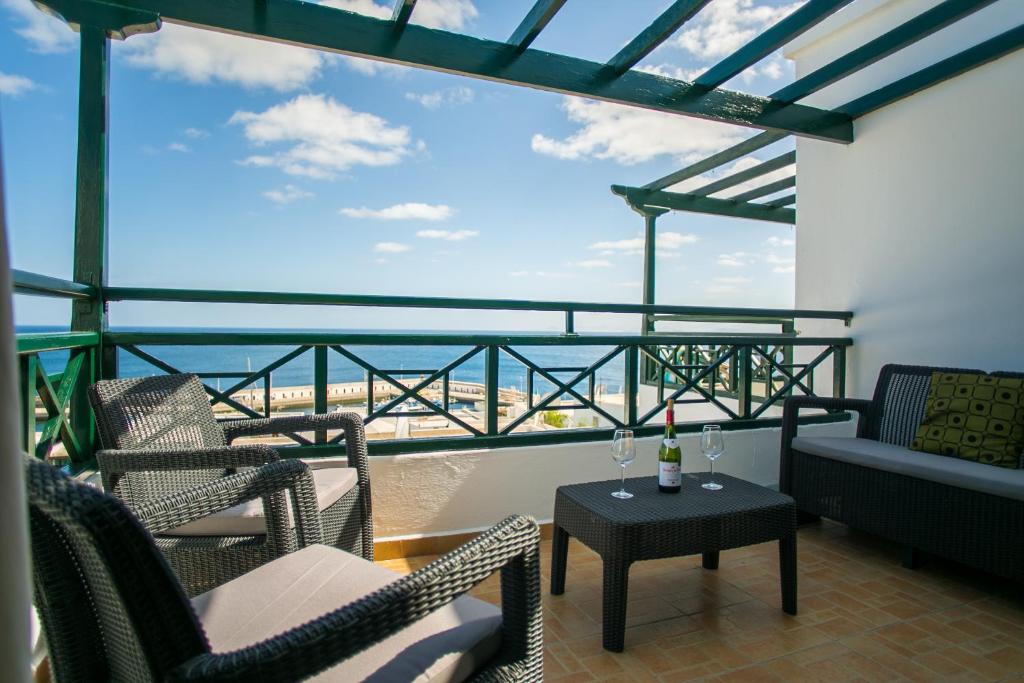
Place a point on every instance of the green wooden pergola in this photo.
(657, 198)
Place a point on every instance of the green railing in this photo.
(743, 376)
(68, 421)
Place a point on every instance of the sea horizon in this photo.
(299, 371)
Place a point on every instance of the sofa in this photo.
(966, 511)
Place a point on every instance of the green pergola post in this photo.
(650, 252)
(90, 255)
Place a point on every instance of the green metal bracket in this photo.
(118, 22)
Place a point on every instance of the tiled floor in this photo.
(862, 617)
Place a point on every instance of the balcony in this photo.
(465, 428)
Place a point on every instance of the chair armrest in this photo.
(350, 423)
(114, 464)
(268, 482)
(511, 546)
(288, 424)
(790, 422)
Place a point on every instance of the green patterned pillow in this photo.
(973, 417)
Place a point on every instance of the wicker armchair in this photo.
(111, 609)
(160, 437)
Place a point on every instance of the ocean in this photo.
(299, 371)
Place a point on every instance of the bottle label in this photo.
(669, 474)
(671, 443)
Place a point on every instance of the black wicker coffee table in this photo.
(653, 525)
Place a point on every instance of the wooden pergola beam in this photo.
(325, 28)
(803, 19)
(907, 33)
(660, 30)
(542, 12)
(744, 148)
(677, 201)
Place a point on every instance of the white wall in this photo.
(449, 492)
(918, 226)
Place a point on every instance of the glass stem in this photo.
(712, 479)
(622, 480)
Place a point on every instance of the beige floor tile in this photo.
(862, 618)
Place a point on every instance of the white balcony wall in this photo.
(917, 226)
(451, 492)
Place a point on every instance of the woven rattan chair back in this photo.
(110, 607)
(166, 411)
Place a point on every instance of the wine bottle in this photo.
(670, 458)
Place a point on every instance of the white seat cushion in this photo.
(942, 469)
(447, 646)
(247, 519)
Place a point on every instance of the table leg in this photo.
(616, 586)
(559, 557)
(710, 559)
(787, 570)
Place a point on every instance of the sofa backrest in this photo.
(900, 395)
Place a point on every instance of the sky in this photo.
(241, 164)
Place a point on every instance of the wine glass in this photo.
(712, 444)
(623, 452)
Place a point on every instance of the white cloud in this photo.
(674, 240)
(776, 242)
(737, 259)
(668, 245)
(629, 135)
(199, 56)
(724, 26)
(447, 235)
(391, 247)
(46, 33)
(782, 264)
(287, 194)
(743, 259)
(436, 99)
(444, 14)
(196, 133)
(542, 274)
(179, 147)
(13, 85)
(593, 263)
(403, 212)
(324, 135)
(726, 285)
(637, 243)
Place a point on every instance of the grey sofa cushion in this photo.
(448, 645)
(247, 519)
(998, 481)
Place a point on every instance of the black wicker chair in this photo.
(976, 528)
(111, 608)
(160, 437)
